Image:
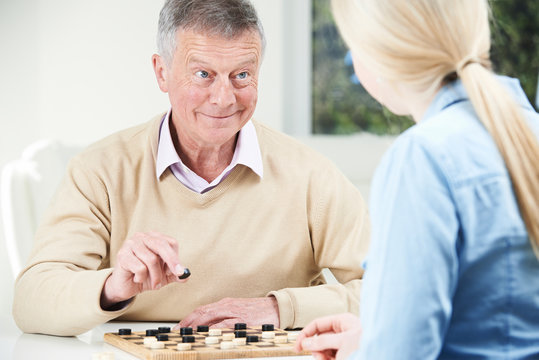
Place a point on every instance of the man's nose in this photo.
(222, 93)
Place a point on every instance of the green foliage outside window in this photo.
(515, 42)
(343, 107)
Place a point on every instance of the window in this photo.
(340, 105)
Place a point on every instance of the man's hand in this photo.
(228, 311)
(330, 337)
(146, 261)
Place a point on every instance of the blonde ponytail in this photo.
(423, 44)
(517, 144)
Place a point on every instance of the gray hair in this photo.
(226, 18)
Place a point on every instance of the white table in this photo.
(16, 345)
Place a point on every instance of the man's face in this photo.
(212, 86)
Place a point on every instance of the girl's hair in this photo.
(426, 43)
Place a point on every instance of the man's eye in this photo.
(202, 74)
(242, 75)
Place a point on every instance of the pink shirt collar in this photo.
(247, 153)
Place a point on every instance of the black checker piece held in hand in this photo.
(185, 275)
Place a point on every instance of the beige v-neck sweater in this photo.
(248, 237)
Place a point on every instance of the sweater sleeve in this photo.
(340, 233)
(58, 292)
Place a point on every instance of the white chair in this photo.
(27, 186)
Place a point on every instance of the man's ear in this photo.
(160, 69)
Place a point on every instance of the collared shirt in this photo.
(247, 153)
(451, 273)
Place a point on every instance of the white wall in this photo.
(79, 70)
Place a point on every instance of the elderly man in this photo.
(252, 213)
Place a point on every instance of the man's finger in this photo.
(226, 323)
(153, 264)
(132, 264)
(194, 322)
(254, 311)
(204, 315)
(171, 241)
(162, 246)
(195, 318)
(170, 277)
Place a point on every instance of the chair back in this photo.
(27, 186)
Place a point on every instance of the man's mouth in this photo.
(219, 116)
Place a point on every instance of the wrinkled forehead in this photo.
(226, 30)
(249, 36)
(245, 46)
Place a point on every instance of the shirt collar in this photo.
(247, 150)
(455, 92)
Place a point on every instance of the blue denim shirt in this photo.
(451, 273)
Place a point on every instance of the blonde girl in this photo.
(453, 268)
